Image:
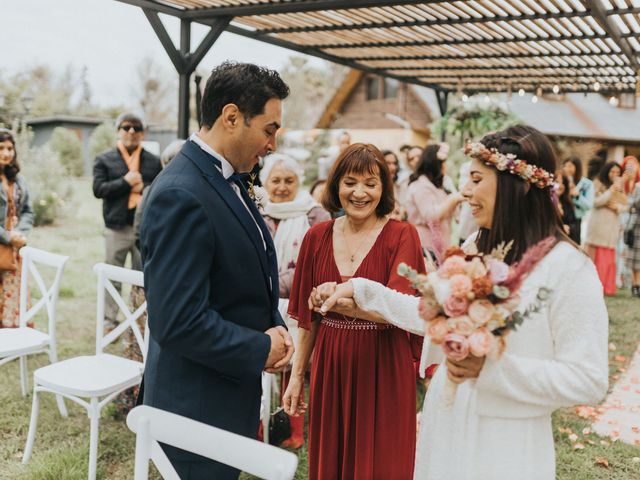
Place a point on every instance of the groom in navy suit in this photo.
(210, 271)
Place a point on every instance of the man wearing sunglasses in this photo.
(119, 175)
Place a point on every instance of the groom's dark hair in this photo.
(246, 85)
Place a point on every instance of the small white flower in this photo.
(260, 196)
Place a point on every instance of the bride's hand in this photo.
(319, 294)
(470, 367)
(342, 291)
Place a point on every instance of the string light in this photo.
(613, 101)
(521, 92)
(556, 89)
(465, 97)
(534, 99)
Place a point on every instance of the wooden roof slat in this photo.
(429, 40)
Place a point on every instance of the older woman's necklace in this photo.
(352, 256)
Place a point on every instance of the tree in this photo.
(51, 93)
(467, 121)
(311, 89)
(69, 149)
(156, 92)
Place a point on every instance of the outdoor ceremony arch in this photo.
(463, 47)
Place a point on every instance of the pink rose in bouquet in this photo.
(453, 265)
(481, 311)
(428, 310)
(461, 325)
(437, 330)
(455, 306)
(455, 346)
(460, 285)
(479, 297)
(481, 342)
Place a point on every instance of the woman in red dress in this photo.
(362, 415)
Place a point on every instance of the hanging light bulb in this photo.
(596, 86)
(613, 101)
(521, 92)
(556, 89)
(465, 97)
(534, 99)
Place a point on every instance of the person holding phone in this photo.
(603, 230)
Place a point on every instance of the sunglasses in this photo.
(136, 128)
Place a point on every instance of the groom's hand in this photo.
(281, 349)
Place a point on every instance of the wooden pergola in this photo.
(462, 46)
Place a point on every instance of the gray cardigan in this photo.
(23, 209)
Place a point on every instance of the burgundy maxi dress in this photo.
(362, 400)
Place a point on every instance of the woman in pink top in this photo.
(430, 207)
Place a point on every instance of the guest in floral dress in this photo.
(16, 221)
(289, 213)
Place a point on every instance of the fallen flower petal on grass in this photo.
(578, 446)
(602, 461)
(573, 437)
(612, 347)
(619, 358)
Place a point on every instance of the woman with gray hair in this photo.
(289, 213)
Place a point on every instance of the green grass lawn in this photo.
(61, 447)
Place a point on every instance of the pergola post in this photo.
(185, 77)
(185, 61)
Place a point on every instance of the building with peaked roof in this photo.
(380, 110)
(376, 110)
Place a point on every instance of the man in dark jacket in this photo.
(210, 268)
(119, 175)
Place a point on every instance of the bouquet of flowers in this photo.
(470, 302)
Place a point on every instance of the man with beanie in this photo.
(119, 175)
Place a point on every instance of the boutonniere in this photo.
(257, 194)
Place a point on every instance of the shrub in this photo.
(69, 148)
(102, 138)
(46, 178)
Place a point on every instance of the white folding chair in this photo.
(152, 425)
(23, 341)
(100, 377)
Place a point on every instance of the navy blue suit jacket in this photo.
(212, 290)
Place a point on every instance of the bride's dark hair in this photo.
(523, 212)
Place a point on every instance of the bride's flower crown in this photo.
(509, 163)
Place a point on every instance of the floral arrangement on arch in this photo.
(470, 302)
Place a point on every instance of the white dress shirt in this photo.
(227, 170)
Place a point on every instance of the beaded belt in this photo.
(345, 324)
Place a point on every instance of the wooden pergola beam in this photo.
(481, 56)
(599, 13)
(430, 23)
(293, 6)
(473, 41)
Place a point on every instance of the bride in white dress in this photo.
(500, 424)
